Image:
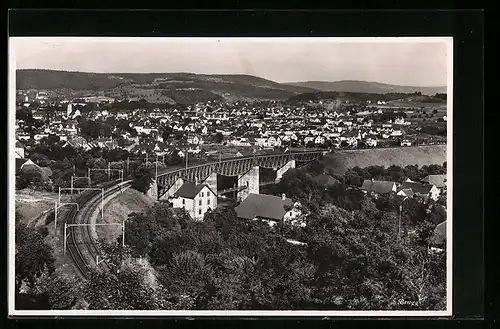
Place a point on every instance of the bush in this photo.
(142, 180)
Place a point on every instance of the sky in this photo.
(400, 61)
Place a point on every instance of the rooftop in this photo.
(416, 187)
(438, 180)
(263, 206)
(378, 186)
(189, 190)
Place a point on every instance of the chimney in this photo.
(283, 196)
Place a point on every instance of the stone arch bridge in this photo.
(245, 168)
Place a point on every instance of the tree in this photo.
(30, 177)
(300, 186)
(167, 132)
(142, 180)
(218, 138)
(60, 290)
(33, 256)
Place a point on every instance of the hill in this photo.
(366, 87)
(342, 160)
(119, 208)
(160, 87)
(393, 98)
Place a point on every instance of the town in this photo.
(229, 191)
(209, 130)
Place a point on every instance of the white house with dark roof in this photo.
(196, 199)
(423, 190)
(268, 208)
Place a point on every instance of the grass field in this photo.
(34, 205)
(119, 208)
(342, 160)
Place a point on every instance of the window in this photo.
(202, 194)
(208, 201)
(183, 201)
(199, 203)
(199, 212)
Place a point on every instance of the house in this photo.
(196, 199)
(268, 208)
(378, 186)
(401, 121)
(326, 181)
(20, 162)
(19, 149)
(438, 180)
(370, 142)
(193, 139)
(423, 190)
(26, 165)
(273, 141)
(396, 133)
(293, 216)
(405, 193)
(319, 140)
(107, 143)
(438, 239)
(78, 142)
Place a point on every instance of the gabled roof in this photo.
(326, 180)
(417, 187)
(408, 192)
(263, 206)
(439, 235)
(189, 190)
(20, 162)
(438, 180)
(378, 186)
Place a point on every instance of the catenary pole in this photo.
(102, 205)
(65, 230)
(123, 234)
(55, 218)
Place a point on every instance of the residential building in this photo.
(19, 150)
(405, 193)
(196, 199)
(438, 180)
(268, 208)
(326, 181)
(370, 142)
(78, 142)
(425, 191)
(378, 187)
(438, 239)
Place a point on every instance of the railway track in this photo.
(81, 246)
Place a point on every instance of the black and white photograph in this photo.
(230, 176)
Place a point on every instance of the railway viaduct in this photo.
(246, 169)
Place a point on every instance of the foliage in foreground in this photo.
(353, 259)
